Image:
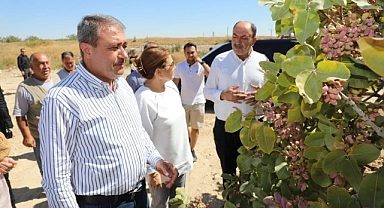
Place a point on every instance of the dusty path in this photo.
(26, 180)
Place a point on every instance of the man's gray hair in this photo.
(88, 29)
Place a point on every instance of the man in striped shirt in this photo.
(94, 149)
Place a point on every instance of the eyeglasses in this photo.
(171, 65)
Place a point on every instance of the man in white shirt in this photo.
(191, 72)
(233, 80)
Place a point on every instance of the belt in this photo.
(101, 199)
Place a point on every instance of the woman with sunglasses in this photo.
(163, 117)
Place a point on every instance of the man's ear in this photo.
(86, 48)
(254, 41)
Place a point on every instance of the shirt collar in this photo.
(93, 80)
(238, 59)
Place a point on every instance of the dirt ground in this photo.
(203, 181)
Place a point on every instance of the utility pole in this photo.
(227, 32)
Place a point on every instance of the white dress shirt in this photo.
(92, 139)
(192, 82)
(228, 70)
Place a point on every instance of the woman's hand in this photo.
(6, 165)
(155, 180)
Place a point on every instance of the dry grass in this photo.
(54, 48)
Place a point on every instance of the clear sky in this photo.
(53, 19)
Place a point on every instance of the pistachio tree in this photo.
(321, 134)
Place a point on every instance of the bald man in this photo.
(29, 98)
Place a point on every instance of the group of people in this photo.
(28, 101)
(99, 139)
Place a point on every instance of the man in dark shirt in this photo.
(23, 64)
(6, 126)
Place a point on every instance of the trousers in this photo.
(36, 152)
(160, 197)
(226, 147)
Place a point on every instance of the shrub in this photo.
(322, 125)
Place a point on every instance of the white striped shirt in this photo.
(92, 139)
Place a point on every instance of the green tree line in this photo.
(12, 39)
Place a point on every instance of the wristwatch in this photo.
(202, 62)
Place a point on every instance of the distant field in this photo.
(54, 48)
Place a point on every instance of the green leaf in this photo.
(351, 172)
(318, 204)
(309, 110)
(280, 11)
(305, 22)
(309, 87)
(180, 200)
(360, 70)
(349, 113)
(285, 80)
(372, 51)
(331, 70)
(315, 139)
(265, 92)
(293, 66)
(245, 138)
(300, 50)
(228, 204)
(330, 141)
(255, 161)
(270, 76)
(233, 122)
(281, 169)
(365, 4)
(358, 82)
(372, 190)
(266, 139)
(265, 178)
(244, 162)
(333, 160)
(338, 197)
(286, 26)
(289, 97)
(280, 90)
(318, 175)
(315, 152)
(249, 118)
(340, 2)
(364, 153)
(277, 25)
(278, 58)
(320, 4)
(265, 2)
(294, 112)
(297, 5)
(268, 66)
(325, 125)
